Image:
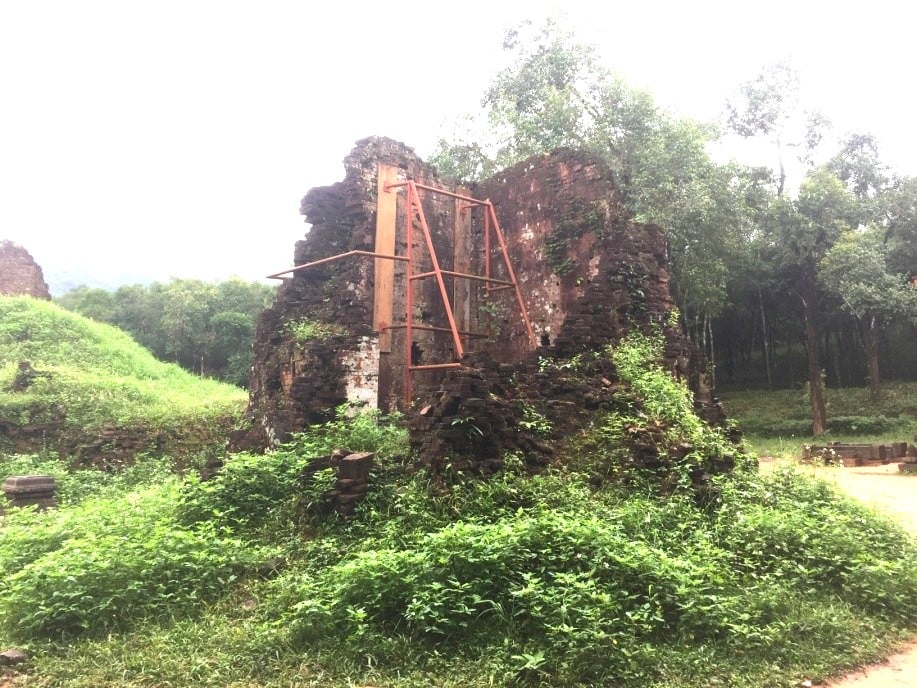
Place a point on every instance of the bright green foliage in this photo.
(856, 270)
(636, 360)
(254, 490)
(249, 491)
(95, 374)
(657, 408)
(535, 421)
(552, 579)
(305, 330)
(604, 587)
(76, 484)
(110, 562)
(853, 411)
(802, 530)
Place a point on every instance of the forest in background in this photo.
(788, 274)
(205, 327)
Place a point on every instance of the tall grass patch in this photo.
(107, 563)
(851, 412)
(91, 374)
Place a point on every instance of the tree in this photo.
(899, 219)
(856, 270)
(801, 233)
(554, 93)
(93, 303)
(857, 164)
(768, 106)
(204, 327)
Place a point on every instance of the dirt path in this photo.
(885, 488)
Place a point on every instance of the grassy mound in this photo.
(85, 375)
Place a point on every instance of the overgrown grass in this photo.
(553, 579)
(779, 423)
(76, 484)
(81, 377)
(519, 580)
(91, 374)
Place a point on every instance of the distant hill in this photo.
(87, 389)
(62, 281)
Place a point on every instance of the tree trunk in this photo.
(831, 355)
(781, 179)
(871, 341)
(816, 390)
(838, 357)
(712, 355)
(764, 338)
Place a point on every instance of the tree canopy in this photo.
(756, 261)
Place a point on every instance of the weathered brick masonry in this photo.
(19, 273)
(588, 275)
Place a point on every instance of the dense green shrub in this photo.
(652, 437)
(252, 490)
(595, 587)
(77, 484)
(798, 529)
(108, 562)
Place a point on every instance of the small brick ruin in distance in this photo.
(19, 273)
(588, 275)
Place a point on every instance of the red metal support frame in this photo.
(414, 213)
(487, 249)
(277, 275)
(438, 274)
(512, 274)
(409, 298)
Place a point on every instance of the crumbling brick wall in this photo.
(19, 273)
(588, 274)
(296, 381)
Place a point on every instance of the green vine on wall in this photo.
(304, 330)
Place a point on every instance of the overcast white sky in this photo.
(166, 138)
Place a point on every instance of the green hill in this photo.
(77, 386)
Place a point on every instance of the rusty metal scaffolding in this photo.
(414, 214)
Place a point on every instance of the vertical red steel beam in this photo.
(409, 297)
(512, 273)
(487, 250)
(450, 316)
(461, 262)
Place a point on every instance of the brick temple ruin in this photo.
(19, 273)
(586, 274)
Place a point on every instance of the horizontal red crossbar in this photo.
(277, 275)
